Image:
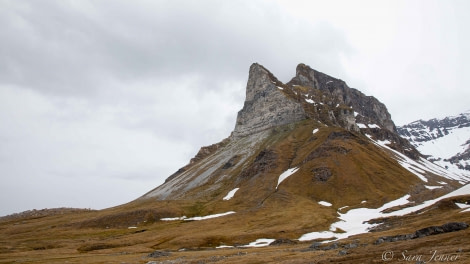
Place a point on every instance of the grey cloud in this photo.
(73, 47)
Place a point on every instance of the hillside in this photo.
(312, 166)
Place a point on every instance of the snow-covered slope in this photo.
(445, 141)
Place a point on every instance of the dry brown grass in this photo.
(360, 171)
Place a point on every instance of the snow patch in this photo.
(462, 205)
(355, 221)
(374, 126)
(361, 125)
(356, 114)
(230, 194)
(432, 187)
(261, 242)
(280, 88)
(197, 218)
(286, 174)
(315, 131)
(324, 203)
(310, 101)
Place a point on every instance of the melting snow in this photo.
(230, 194)
(355, 220)
(315, 131)
(356, 113)
(432, 187)
(173, 218)
(261, 242)
(310, 101)
(286, 174)
(374, 126)
(197, 218)
(324, 203)
(361, 125)
(280, 88)
(462, 205)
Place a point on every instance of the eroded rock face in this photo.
(371, 109)
(265, 105)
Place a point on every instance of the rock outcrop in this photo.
(427, 231)
(265, 105)
(316, 96)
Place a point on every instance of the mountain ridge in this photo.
(445, 141)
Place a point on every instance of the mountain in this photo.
(444, 141)
(309, 161)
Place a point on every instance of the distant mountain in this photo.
(444, 141)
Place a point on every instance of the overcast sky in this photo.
(100, 101)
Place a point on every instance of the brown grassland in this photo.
(360, 171)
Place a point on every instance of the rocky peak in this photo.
(265, 105)
(368, 109)
(316, 96)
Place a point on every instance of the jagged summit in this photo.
(265, 105)
(313, 95)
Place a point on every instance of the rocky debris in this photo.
(282, 241)
(264, 161)
(230, 163)
(427, 231)
(158, 253)
(335, 245)
(321, 174)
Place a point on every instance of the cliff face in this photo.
(336, 92)
(316, 96)
(265, 105)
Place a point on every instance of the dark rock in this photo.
(427, 231)
(321, 174)
(157, 254)
(265, 161)
(315, 245)
(342, 252)
(230, 163)
(351, 245)
(282, 241)
(379, 241)
(332, 246)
